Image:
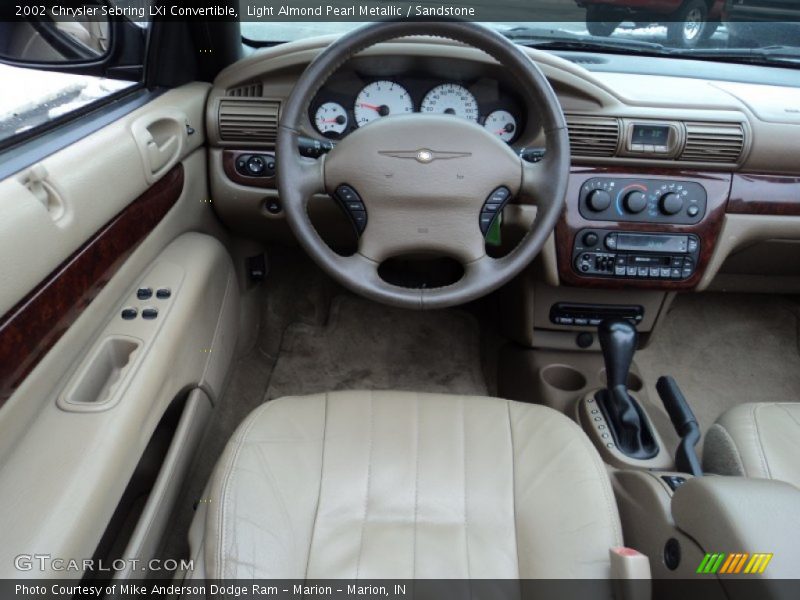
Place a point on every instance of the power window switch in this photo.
(163, 293)
(129, 313)
(144, 293)
(149, 313)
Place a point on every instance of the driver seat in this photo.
(404, 485)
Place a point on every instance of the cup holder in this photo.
(563, 378)
(635, 383)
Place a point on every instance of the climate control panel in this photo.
(633, 255)
(642, 200)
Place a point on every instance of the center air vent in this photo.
(713, 142)
(593, 136)
(248, 120)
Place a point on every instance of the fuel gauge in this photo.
(502, 124)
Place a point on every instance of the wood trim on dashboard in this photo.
(717, 186)
(229, 158)
(764, 195)
(32, 327)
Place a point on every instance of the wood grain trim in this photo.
(764, 195)
(39, 320)
(717, 186)
(229, 158)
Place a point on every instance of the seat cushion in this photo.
(756, 440)
(406, 485)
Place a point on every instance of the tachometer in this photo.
(381, 99)
(502, 124)
(450, 99)
(331, 118)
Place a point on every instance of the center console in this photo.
(639, 230)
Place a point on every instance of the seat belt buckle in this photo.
(630, 574)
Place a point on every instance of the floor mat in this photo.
(723, 350)
(365, 345)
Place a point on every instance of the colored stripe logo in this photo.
(734, 563)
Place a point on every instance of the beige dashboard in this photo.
(737, 140)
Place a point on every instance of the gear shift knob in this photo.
(618, 342)
(626, 420)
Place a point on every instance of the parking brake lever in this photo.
(685, 424)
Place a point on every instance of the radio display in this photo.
(652, 243)
(655, 135)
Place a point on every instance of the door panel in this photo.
(64, 465)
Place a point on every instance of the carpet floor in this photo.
(724, 350)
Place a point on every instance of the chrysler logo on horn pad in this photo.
(424, 155)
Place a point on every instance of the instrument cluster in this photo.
(336, 112)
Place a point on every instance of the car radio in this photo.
(631, 255)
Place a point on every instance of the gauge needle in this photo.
(372, 106)
(330, 120)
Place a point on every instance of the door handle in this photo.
(162, 141)
(159, 154)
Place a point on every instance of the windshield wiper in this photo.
(767, 54)
(549, 39)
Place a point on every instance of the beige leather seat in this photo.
(406, 485)
(756, 440)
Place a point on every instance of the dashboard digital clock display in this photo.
(655, 135)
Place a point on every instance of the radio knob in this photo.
(635, 202)
(598, 200)
(670, 203)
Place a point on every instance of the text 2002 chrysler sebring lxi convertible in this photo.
(399, 304)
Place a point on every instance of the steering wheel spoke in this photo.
(536, 185)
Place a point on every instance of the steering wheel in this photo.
(428, 184)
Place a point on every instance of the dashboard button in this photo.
(693, 211)
(590, 239)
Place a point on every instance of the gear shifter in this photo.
(627, 421)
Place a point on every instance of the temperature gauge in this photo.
(331, 118)
(502, 124)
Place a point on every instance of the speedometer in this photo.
(451, 99)
(381, 99)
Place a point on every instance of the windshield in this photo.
(624, 27)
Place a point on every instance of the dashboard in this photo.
(673, 176)
(353, 99)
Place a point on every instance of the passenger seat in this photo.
(756, 440)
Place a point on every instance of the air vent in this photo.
(713, 142)
(248, 120)
(250, 90)
(593, 136)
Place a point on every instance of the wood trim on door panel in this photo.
(764, 195)
(36, 323)
(717, 186)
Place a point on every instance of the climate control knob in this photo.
(670, 203)
(635, 202)
(598, 200)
